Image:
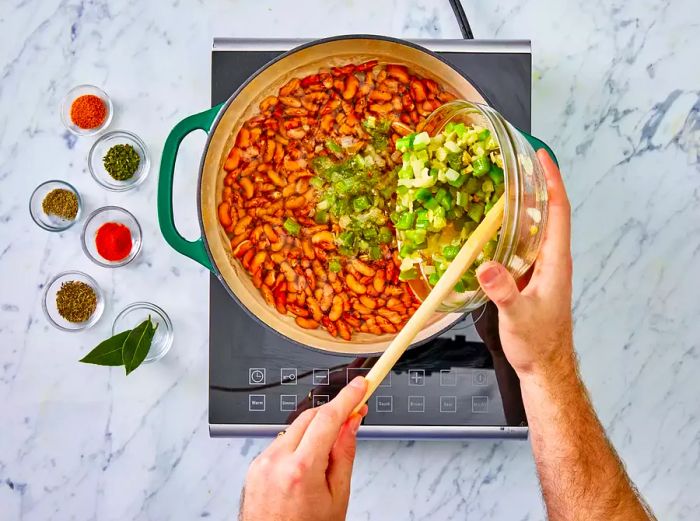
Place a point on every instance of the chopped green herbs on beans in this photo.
(446, 184)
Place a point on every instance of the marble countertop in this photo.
(615, 92)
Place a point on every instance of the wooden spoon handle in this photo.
(462, 262)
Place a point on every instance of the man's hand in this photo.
(305, 473)
(535, 323)
(581, 476)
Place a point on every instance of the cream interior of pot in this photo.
(301, 63)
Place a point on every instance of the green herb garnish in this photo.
(121, 162)
(128, 348)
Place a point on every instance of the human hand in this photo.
(305, 473)
(535, 324)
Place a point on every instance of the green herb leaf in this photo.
(137, 344)
(108, 352)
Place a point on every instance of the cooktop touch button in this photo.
(448, 404)
(416, 377)
(321, 377)
(256, 376)
(288, 376)
(256, 402)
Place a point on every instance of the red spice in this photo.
(113, 241)
(88, 111)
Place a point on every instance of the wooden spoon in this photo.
(461, 263)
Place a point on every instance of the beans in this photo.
(368, 302)
(225, 215)
(362, 268)
(397, 71)
(308, 323)
(257, 261)
(336, 308)
(266, 181)
(233, 159)
(323, 237)
(355, 285)
(248, 188)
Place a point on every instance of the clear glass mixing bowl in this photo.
(525, 215)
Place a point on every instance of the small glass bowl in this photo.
(48, 222)
(133, 314)
(48, 303)
(98, 218)
(99, 151)
(70, 97)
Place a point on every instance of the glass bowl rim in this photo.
(70, 223)
(83, 237)
(142, 304)
(92, 131)
(140, 143)
(94, 318)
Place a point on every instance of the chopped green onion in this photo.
(405, 221)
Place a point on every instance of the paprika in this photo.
(88, 111)
(113, 241)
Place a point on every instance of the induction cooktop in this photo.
(458, 385)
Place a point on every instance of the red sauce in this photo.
(113, 241)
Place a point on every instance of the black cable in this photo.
(462, 20)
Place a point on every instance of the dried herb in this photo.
(137, 344)
(128, 348)
(76, 301)
(108, 352)
(61, 203)
(121, 162)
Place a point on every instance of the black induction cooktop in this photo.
(458, 385)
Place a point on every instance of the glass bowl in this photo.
(67, 102)
(49, 301)
(133, 314)
(48, 222)
(525, 214)
(100, 148)
(98, 218)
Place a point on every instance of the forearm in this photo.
(580, 473)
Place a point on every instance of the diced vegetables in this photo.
(446, 184)
(292, 227)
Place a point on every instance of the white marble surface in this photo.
(616, 93)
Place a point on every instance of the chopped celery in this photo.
(496, 174)
(334, 147)
(361, 203)
(334, 265)
(292, 227)
(476, 212)
(384, 236)
(408, 274)
(450, 251)
(405, 221)
(482, 165)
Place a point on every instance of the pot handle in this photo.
(193, 249)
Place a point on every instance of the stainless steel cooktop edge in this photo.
(436, 45)
(393, 432)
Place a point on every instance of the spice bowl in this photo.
(134, 314)
(52, 223)
(100, 149)
(50, 305)
(67, 103)
(111, 239)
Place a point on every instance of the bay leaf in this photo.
(108, 352)
(137, 345)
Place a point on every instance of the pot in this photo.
(222, 123)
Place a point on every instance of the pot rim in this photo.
(215, 123)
